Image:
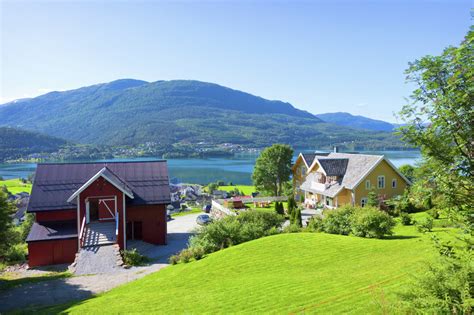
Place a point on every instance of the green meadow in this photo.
(285, 273)
(15, 185)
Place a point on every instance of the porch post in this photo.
(79, 223)
(124, 223)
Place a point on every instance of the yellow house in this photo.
(336, 179)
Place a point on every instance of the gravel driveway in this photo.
(82, 287)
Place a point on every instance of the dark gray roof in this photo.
(309, 158)
(54, 183)
(45, 231)
(333, 167)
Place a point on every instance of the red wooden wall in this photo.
(52, 252)
(153, 218)
(60, 215)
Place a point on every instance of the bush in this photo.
(16, 254)
(133, 258)
(338, 221)
(405, 218)
(279, 208)
(233, 230)
(443, 288)
(371, 222)
(425, 225)
(292, 228)
(434, 213)
(315, 224)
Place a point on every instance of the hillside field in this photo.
(285, 273)
(15, 186)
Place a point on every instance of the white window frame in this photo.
(381, 177)
(364, 201)
(394, 183)
(367, 184)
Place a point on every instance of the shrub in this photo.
(174, 259)
(338, 221)
(443, 288)
(425, 225)
(16, 254)
(279, 208)
(233, 230)
(292, 228)
(405, 218)
(291, 206)
(297, 217)
(371, 222)
(133, 258)
(315, 224)
(434, 213)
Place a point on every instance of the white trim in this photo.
(378, 181)
(88, 212)
(353, 198)
(78, 223)
(368, 172)
(107, 206)
(397, 171)
(310, 169)
(93, 179)
(124, 223)
(394, 180)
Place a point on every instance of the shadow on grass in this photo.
(46, 310)
(6, 284)
(400, 237)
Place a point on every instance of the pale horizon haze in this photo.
(320, 56)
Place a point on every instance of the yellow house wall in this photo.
(344, 197)
(388, 192)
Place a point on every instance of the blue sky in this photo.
(321, 56)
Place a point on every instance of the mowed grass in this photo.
(285, 273)
(15, 186)
(247, 190)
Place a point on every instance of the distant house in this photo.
(124, 200)
(336, 179)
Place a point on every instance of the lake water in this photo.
(237, 169)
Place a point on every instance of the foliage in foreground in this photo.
(364, 222)
(132, 257)
(229, 231)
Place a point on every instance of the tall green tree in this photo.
(440, 120)
(273, 169)
(7, 236)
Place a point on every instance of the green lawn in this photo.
(245, 189)
(15, 186)
(179, 214)
(285, 273)
(10, 280)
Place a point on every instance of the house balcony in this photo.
(319, 186)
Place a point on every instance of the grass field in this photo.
(180, 214)
(285, 273)
(245, 189)
(15, 186)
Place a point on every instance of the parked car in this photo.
(203, 219)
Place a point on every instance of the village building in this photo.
(335, 179)
(95, 204)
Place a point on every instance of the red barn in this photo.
(87, 204)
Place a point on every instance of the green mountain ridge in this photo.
(15, 143)
(130, 112)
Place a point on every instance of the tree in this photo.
(279, 208)
(291, 206)
(8, 237)
(408, 171)
(440, 120)
(273, 169)
(297, 217)
(372, 199)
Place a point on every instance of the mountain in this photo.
(15, 143)
(360, 122)
(129, 112)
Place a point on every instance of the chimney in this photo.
(336, 149)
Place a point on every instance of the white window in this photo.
(394, 183)
(329, 202)
(367, 184)
(363, 202)
(381, 182)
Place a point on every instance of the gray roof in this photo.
(308, 158)
(333, 167)
(52, 230)
(350, 167)
(55, 183)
